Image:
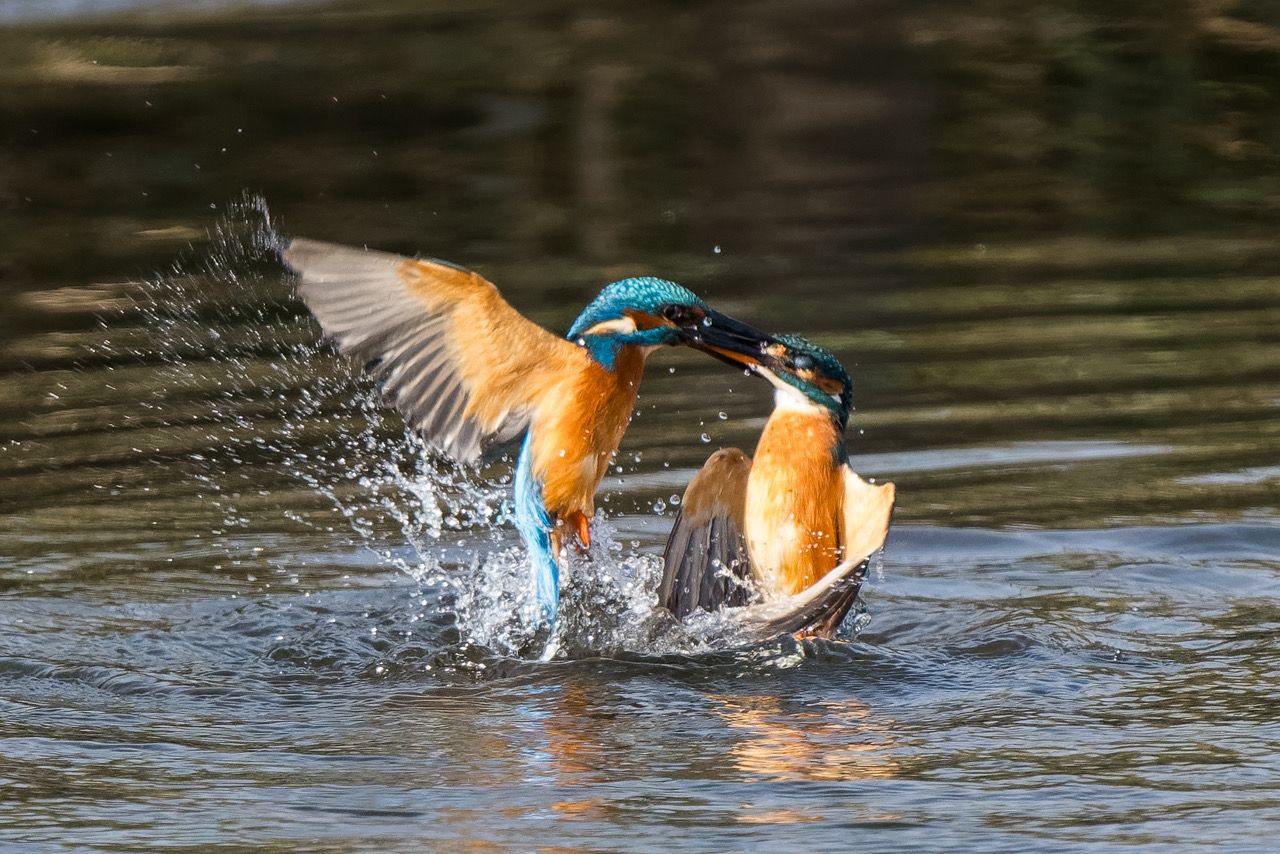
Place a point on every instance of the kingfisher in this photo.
(788, 535)
(469, 373)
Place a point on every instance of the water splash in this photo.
(270, 422)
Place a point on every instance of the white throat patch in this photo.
(787, 396)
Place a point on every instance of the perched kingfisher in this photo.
(797, 521)
(470, 372)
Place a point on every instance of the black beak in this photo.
(731, 341)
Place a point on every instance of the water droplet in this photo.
(722, 415)
(671, 370)
(674, 500)
(659, 507)
(716, 249)
(705, 438)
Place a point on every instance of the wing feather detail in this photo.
(705, 563)
(463, 367)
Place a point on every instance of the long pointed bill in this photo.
(731, 341)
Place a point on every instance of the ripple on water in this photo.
(241, 604)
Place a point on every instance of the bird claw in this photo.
(584, 533)
(577, 526)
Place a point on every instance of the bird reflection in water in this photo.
(834, 740)
(758, 736)
(578, 731)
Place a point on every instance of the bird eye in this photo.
(680, 315)
(802, 363)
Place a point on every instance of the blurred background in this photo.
(1017, 223)
(1042, 237)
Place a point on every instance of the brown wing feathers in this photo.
(708, 534)
(455, 358)
(705, 561)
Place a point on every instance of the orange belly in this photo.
(794, 496)
(576, 431)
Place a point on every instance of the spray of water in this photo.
(268, 421)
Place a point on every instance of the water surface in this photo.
(240, 608)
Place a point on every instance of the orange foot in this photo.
(584, 531)
(578, 525)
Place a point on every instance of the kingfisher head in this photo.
(806, 373)
(649, 312)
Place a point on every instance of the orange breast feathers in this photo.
(577, 426)
(794, 498)
(578, 410)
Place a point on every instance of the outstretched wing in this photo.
(820, 608)
(454, 357)
(705, 563)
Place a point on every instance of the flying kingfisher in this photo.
(789, 534)
(470, 372)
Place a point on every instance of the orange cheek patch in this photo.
(830, 386)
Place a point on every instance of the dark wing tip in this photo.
(818, 610)
(705, 562)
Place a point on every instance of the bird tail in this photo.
(535, 527)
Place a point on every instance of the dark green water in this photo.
(238, 608)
